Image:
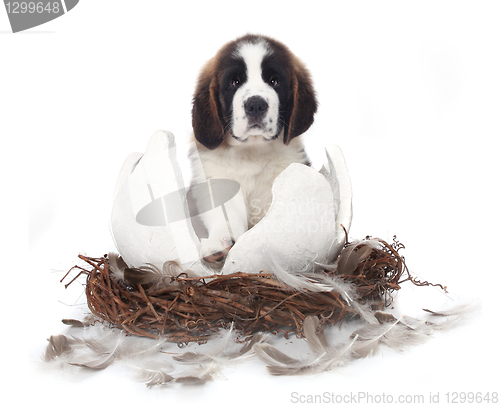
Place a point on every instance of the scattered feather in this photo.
(224, 351)
(197, 380)
(383, 317)
(297, 280)
(348, 261)
(348, 293)
(201, 375)
(315, 340)
(458, 310)
(154, 377)
(98, 362)
(150, 274)
(154, 373)
(74, 323)
(117, 266)
(100, 351)
(370, 337)
(59, 346)
(191, 357)
(405, 332)
(334, 356)
(99, 357)
(144, 275)
(248, 346)
(274, 357)
(354, 254)
(395, 333)
(332, 283)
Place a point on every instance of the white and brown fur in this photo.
(252, 102)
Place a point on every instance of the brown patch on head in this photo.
(207, 113)
(303, 103)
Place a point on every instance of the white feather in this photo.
(297, 280)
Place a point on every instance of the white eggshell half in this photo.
(305, 222)
(142, 180)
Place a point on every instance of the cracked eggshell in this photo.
(304, 222)
(144, 179)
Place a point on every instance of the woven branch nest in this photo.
(193, 309)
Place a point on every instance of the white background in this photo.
(409, 90)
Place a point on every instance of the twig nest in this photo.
(193, 308)
(306, 223)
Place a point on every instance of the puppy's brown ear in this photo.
(207, 112)
(303, 104)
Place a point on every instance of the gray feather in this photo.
(155, 378)
(116, 265)
(247, 347)
(353, 255)
(59, 346)
(273, 356)
(335, 356)
(316, 341)
(383, 317)
(149, 273)
(191, 357)
(75, 323)
(155, 374)
(100, 357)
(97, 362)
(193, 379)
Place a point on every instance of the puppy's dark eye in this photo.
(273, 81)
(235, 82)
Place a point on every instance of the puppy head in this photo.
(253, 91)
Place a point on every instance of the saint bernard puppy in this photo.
(252, 102)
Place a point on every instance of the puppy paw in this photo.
(215, 250)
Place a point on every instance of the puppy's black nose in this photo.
(256, 106)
